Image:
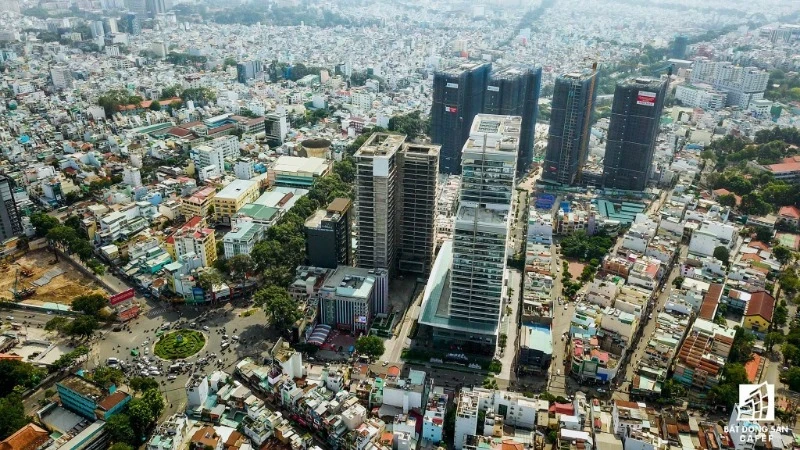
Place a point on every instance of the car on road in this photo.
(172, 377)
(235, 337)
(385, 363)
(565, 307)
(146, 351)
(205, 327)
(10, 317)
(224, 337)
(601, 390)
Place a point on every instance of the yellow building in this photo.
(235, 195)
(194, 237)
(758, 312)
(198, 203)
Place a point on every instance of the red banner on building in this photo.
(116, 299)
(128, 314)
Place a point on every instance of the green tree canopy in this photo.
(13, 413)
(723, 254)
(141, 384)
(18, 373)
(371, 346)
(279, 306)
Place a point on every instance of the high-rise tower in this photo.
(465, 294)
(377, 190)
(419, 171)
(514, 91)
(10, 222)
(570, 120)
(458, 95)
(632, 133)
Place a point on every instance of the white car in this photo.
(385, 363)
(172, 377)
(205, 327)
(146, 351)
(235, 337)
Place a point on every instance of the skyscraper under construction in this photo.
(457, 98)
(570, 124)
(632, 132)
(514, 91)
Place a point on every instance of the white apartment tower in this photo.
(483, 219)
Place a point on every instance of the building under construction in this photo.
(457, 99)
(570, 124)
(419, 170)
(514, 91)
(632, 132)
(377, 191)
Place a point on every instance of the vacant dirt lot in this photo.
(575, 269)
(61, 289)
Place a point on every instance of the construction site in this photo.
(38, 277)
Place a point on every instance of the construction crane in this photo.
(587, 118)
(21, 294)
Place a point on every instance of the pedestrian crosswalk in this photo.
(156, 312)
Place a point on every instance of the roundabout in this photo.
(179, 344)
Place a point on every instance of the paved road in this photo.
(395, 345)
(142, 335)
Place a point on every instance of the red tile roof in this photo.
(789, 212)
(112, 400)
(29, 437)
(710, 302)
(761, 304)
(752, 368)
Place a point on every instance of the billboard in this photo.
(646, 98)
(450, 109)
(361, 319)
(128, 314)
(116, 299)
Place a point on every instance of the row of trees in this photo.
(15, 378)
(411, 124)
(68, 236)
(133, 426)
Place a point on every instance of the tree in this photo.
(155, 105)
(279, 306)
(773, 338)
(56, 324)
(780, 317)
(43, 223)
(90, 304)
(721, 253)
(782, 254)
(763, 234)
(792, 377)
(18, 373)
(371, 346)
(120, 446)
(106, 376)
(241, 266)
(678, 282)
(411, 124)
(13, 413)
(119, 429)
(82, 326)
(672, 390)
(346, 170)
(742, 347)
(142, 384)
(208, 278)
(144, 411)
(791, 353)
(727, 200)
